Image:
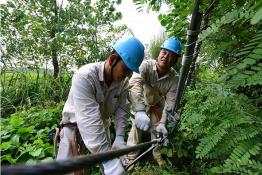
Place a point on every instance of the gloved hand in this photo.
(142, 121)
(161, 129)
(119, 142)
(113, 167)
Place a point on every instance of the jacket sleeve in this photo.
(88, 115)
(121, 116)
(136, 95)
(170, 100)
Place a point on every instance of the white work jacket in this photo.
(147, 88)
(91, 103)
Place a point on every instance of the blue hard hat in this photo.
(131, 50)
(172, 44)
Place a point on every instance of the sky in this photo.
(144, 25)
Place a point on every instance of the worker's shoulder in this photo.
(91, 69)
(147, 65)
(149, 62)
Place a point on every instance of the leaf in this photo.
(15, 121)
(257, 17)
(163, 22)
(255, 56)
(256, 68)
(6, 136)
(9, 158)
(259, 64)
(247, 48)
(25, 130)
(242, 53)
(258, 51)
(15, 139)
(249, 72)
(6, 146)
(31, 162)
(36, 153)
(249, 61)
(252, 44)
(241, 66)
(179, 153)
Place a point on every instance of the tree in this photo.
(72, 34)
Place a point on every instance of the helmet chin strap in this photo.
(111, 69)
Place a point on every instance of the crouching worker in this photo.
(97, 91)
(152, 94)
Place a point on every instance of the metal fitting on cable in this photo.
(192, 32)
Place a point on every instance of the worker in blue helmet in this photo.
(152, 94)
(98, 91)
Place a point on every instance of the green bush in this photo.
(26, 135)
(227, 128)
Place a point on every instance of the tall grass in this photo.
(22, 90)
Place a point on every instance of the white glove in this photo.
(161, 129)
(119, 142)
(142, 121)
(113, 167)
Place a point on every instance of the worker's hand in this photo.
(161, 129)
(142, 121)
(113, 167)
(119, 142)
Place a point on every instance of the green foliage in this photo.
(228, 128)
(221, 42)
(257, 17)
(23, 90)
(26, 135)
(148, 168)
(247, 70)
(236, 15)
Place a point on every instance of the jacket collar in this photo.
(101, 69)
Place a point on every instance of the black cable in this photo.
(70, 165)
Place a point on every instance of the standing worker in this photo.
(97, 91)
(152, 93)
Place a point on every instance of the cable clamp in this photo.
(192, 32)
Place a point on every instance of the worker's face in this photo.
(166, 59)
(121, 71)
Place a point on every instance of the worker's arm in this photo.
(170, 100)
(136, 94)
(121, 117)
(88, 115)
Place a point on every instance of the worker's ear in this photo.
(112, 59)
